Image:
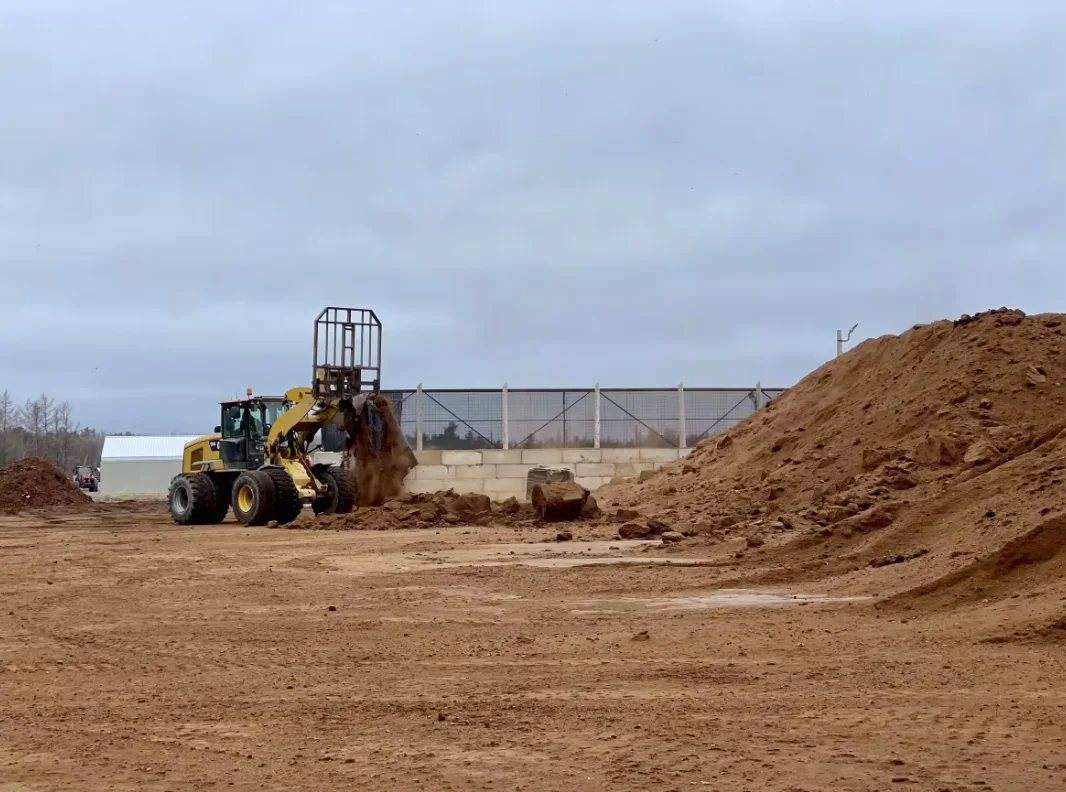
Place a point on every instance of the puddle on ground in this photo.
(725, 598)
(538, 554)
(573, 562)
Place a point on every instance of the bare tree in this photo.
(32, 421)
(8, 419)
(45, 428)
(64, 435)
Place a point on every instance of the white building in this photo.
(140, 464)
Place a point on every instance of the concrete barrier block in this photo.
(625, 468)
(594, 469)
(592, 483)
(472, 471)
(464, 486)
(427, 485)
(512, 471)
(576, 455)
(683, 452)
(430, 472)
(512, 456)
(501, 489)
(620, 455)
(324, 458)
(658, 455)
(542, 456)
(428, 457)
(460, 457)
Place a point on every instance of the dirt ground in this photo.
(135, 655)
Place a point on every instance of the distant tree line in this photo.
(45, 428)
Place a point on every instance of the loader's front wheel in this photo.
(191, 499)
(287, 503)
(340, 492)
(253, 498)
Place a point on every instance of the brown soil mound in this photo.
(1022, 563)
(946, 438)
(428, 510)
(35, 484)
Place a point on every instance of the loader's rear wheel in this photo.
(191, 499)
(340, 492)
(253, 498)
(287, 504)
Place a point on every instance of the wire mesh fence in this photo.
(551, 419)
(569, 418)
(462, 419)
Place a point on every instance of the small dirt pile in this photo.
(35, 484)
(379, 473)
(947, 438)
(430, 510)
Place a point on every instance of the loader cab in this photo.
(244, 428)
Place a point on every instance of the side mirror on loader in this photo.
(218, 430)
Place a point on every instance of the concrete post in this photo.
(506, 418)
(596, 423)
(418, 417)
(682, 435)
(758, 395)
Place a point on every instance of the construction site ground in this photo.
(135, 655)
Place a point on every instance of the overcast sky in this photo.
(543, 193)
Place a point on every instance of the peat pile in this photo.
(945, 439)
(34, 484)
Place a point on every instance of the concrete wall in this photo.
(137, 476)
(498, 474)
(501, 474)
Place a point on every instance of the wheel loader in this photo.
(257, 460)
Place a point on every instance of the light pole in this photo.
(841, 340)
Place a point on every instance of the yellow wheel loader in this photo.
(257, 460)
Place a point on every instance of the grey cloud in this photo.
(542, 193)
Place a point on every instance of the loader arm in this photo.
(291, 434)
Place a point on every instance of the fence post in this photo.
(418, 417)
(758, 395)
(596, 422)
(682, 439)
(506, 419)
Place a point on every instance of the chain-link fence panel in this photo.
(457, 420)
(639, 418)
(710, 412)
(405, 408)
(769, 394)
(551, 418)
(548, 418)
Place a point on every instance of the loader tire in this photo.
(287, 504)
(191, 499)
(253, 498)
(340, 497)
(222, 494)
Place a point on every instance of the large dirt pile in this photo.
(946, 439)
(34, 484)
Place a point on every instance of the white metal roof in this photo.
(144, 446)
